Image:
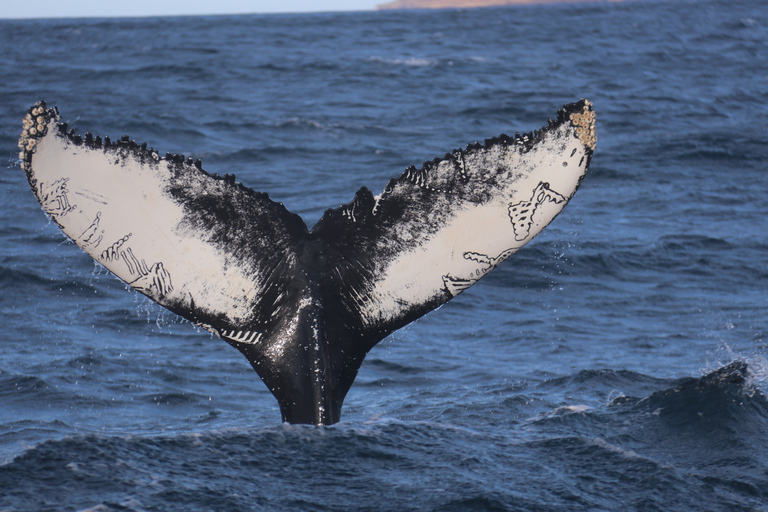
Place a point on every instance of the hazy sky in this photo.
(80, 8)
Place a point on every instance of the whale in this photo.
(304, 306)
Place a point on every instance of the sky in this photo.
(83, 8)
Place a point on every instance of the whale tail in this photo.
(304, 306)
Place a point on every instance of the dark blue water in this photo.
(616, 363)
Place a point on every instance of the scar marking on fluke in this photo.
(88, 237)
(54, 198)
(455, 285)
(521, 214)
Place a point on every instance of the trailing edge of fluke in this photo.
(303, 305)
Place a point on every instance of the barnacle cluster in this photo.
(585, 125)
(34, 126)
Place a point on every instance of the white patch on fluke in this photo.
(546, 176)
(149, 249)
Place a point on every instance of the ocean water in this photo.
(618, 362)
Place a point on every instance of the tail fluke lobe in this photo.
(304, 307)
(435, 231)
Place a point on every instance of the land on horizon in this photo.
(460, 4)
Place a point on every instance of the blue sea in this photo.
(618, 362)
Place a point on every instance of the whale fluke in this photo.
(304, 306)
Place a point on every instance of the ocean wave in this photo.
(15, 277)
(392, 367)
(723, 398)
(712, 147)
(178, 399)
(19, 390)
(251, 155)
(23, 387)
(292, 467)
(407, 61)
(33, 282)
(605, 380)
(678, 254)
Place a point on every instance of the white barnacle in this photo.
(31, 144)
(32, 131)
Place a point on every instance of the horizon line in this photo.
(376, 8)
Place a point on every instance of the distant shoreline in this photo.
(462, 4)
